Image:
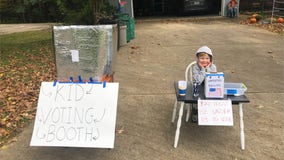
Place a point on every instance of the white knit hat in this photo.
(204, 49)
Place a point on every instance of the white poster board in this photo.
(215, 112)
(76, 115)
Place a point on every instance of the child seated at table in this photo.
(204, 63)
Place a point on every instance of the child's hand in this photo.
(204, 65)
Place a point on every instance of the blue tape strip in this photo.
(104, 84)
(80, 82)
(54, 83)
(80, 78)
(65, 82)
(96, 82)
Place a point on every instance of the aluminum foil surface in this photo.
(85, 51)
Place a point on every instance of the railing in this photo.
(277, 9)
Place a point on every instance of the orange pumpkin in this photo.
(280, 20)
(252, 20)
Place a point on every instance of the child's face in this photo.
(204, 60)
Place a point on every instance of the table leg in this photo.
(188, 107)
(178, 124)
(174, 112)
(242, 134)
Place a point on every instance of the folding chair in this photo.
(187, 75)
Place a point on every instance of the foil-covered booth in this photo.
(86, 52)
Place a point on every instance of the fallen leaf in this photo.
(135, 47)
(260, 106)
(4, 147)
(119, 131)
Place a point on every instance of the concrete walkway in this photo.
(146, 68)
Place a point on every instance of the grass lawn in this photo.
(26, 59)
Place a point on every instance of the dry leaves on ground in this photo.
(273, 27)
(19, 88)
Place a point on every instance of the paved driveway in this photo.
(146, 68)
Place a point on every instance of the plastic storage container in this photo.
(122, 38)
(236, 89)
(124, 19)
(131, 29)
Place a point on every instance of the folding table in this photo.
(189, 98)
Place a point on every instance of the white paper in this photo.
(214, 85)
(215, 112)
(76, 115)
(75, 55)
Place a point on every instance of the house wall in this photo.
(172, 7)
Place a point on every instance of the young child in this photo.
(204, 64)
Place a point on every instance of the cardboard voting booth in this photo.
(79, 112)
(88, 51)
(214, 85)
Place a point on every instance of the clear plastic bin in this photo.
(236, 89)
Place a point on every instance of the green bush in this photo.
(259, 17)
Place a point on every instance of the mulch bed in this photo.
(265, 24)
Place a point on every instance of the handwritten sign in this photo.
(215, 112)
(76, 115)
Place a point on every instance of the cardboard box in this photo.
(214, 85)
